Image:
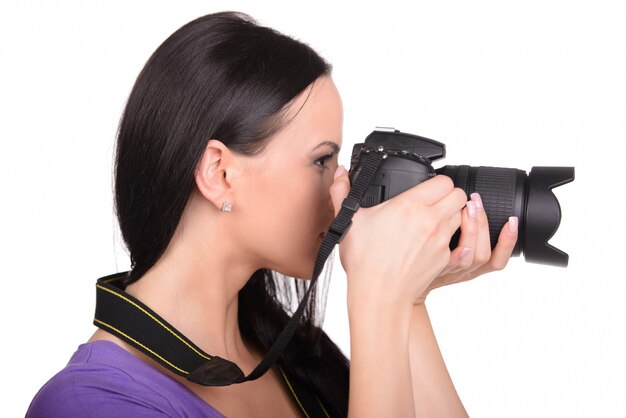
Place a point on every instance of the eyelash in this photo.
(323, 159)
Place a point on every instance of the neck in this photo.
(195, 288)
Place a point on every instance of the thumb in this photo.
(340, 188)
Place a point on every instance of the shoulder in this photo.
(104, 380)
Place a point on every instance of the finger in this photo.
(481, 249)
(482, 252)
(340, 188)
(452, 204)
(464, 254)
(504, 248)
(431, 190)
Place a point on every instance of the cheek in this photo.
(300, 214)
(285, 220)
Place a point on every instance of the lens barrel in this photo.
(510, 192)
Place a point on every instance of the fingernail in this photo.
(476, 198)
(465, 252)
(471, 209)
(339, 171)
(513, 224)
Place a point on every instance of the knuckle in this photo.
(481, 258)
(403, 206)
(415, 211)
(446, 182)
(461, 196)
(465, 264)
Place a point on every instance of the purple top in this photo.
(104, 380)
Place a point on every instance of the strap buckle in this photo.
(338, 232)
(339, 228)
(351, 203)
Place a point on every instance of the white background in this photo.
(503, 83)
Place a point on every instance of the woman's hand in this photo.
(473, 256)
(391, 254)
(393, 250)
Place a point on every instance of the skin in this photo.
(281, 202)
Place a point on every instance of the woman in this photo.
(223, 186)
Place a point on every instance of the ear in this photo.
(213, 173)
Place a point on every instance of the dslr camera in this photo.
(504, 191)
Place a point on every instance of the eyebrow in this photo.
(334, 146)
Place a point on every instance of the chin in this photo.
(301, 273)
(304, 269)
(305, 274)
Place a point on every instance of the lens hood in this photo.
(542, 216)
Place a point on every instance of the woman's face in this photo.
(287, 195)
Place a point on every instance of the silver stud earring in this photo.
(226, 207)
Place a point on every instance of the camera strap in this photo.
(126, 317)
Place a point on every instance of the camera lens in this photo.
(510, 192)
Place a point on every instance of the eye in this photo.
(323, 159)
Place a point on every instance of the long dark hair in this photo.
(220, 76)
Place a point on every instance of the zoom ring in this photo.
(496, 187)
